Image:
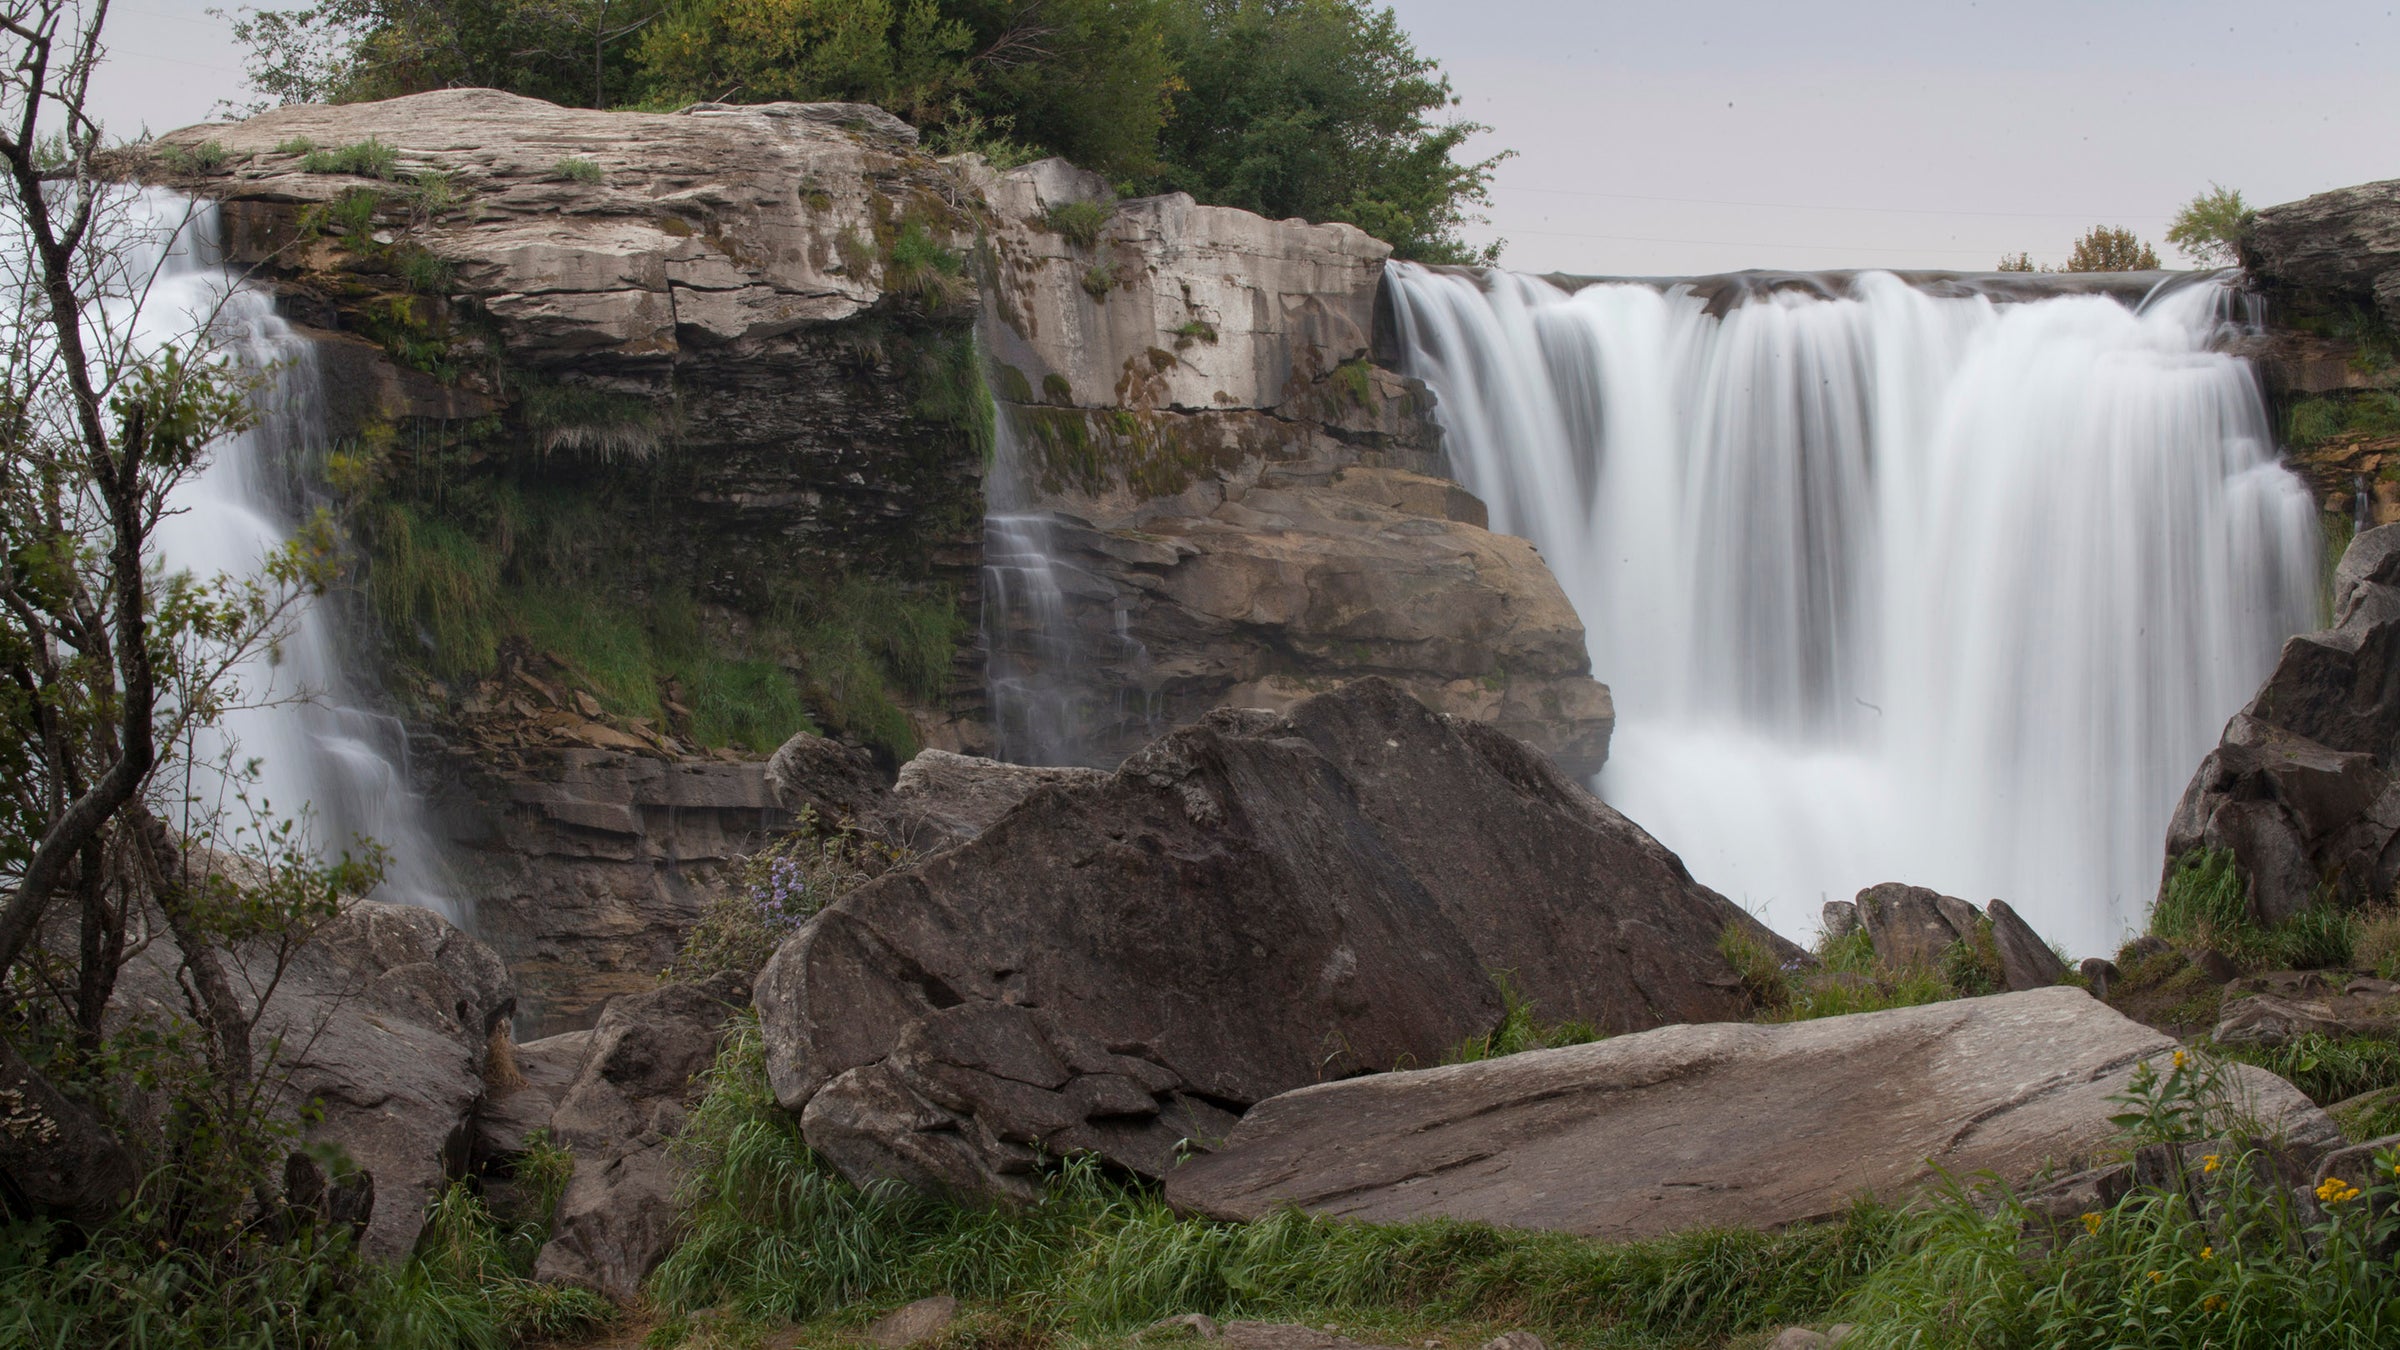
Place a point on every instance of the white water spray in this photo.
(1888, 586)
(317, 748)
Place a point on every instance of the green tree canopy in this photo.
(2209, 228)
(2107, 249)
(1315, 108)
(1321, 109)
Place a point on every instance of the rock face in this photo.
(588, 866)
(1248, 905)
(1914, 927)
(1258, 594)
(383, 1017)
(1705, 1126)
(640, 1071)
(2344, 242)
(2302, 788)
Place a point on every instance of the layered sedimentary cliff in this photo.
(665, 435)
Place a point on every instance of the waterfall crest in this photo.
(318, 747)
(1888, 584)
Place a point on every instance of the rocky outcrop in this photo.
(589, 866)
(640, 1073)
(2302, 787)
(2340, 243)
(1695, 1127)
(379, 1020)
(1248, 905)
(2281, 1006)
(1259, 593)
(1915, 928)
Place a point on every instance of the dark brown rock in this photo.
(1692, 1127)
(2302, 788)
(2026, 962)
(1248, 905)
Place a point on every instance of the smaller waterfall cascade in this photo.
(318, 748)
(1888, 585)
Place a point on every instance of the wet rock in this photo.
(1692, 1127)
(2302, 787)
(1250, 904)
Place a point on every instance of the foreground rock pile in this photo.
(1250, 905)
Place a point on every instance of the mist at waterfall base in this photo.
(319, 753)
(1889, 586)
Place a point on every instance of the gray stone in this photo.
(2343, 243)
(1249, 905)
(637, 1076)
(945, 798)
(1841, 919)
(1913, 926)
(2098, 974)
(1691, 1127)
(839, 783)
(914, 1325)
(2026, 962)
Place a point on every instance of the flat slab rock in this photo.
(1702, 1126)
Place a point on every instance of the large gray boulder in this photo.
(1690, 1127)
(639, 1076)
(1250, 904)
(2341, 243)
(2302, 787)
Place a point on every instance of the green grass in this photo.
(1519, 1031)
(2206, 903)
(777, 1237)
(206, 157)
(370, 158)
(576, 170)
(1098, 280)
(2318, 418)
(467, 1287)
(920, 270)
(2328, 1070)
(1079, 223)
(435, 587)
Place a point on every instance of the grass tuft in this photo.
(578, 170)
(370, 158)
(1079, 223)
(2206, 903)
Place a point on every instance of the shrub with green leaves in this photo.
(2211, 226)
(777, 889)
(1079, 223)
(370, 158)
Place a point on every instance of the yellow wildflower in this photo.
(2212, 1302)
(2091, 1224)
(2155, 1277)
(2211, 1163)
(2179, 1059)
(2208, 1253)
(2335, 1191)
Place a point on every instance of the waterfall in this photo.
(319, 748)
(1888, 584)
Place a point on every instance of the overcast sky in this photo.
(1708, 135)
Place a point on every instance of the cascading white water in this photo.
(318, 750)
(1888, 586)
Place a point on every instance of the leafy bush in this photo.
(777, 889)
(2210, 227)
(1099, 279)
(577, 170)
(370, 158)
(2103, 249)
(2017, 262)
(1079, 223)
(918, 268)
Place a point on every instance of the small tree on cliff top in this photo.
(2209, 228)
(2107, 249)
